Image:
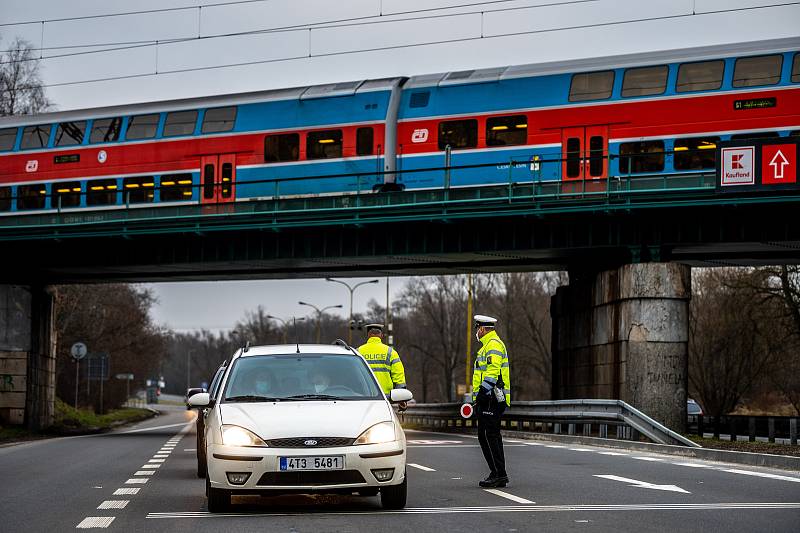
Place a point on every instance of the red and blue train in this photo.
(636, 115)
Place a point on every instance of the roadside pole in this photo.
(78, 352)
(469, 331)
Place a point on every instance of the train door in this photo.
(218, 178)
(584, 153)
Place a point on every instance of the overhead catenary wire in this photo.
(311, 55)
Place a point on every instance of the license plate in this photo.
(328, 462)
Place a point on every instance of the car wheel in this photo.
(219, 500)
(367, 492)
(394, 497)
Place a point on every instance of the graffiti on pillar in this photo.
(671, 373)
(6, 383)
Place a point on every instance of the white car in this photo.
(302, 419)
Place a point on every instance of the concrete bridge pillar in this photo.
(27, 355)
(623, 334)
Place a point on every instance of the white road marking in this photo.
(113, 504)
(190, 449)
(420, 467)
(161, 456)
(153, 428)
(611, 453)
(693, 465)
(651, 459)
(498, 509)
(761, 474)
(156, 460)
(554, 446)
(423, 441)
(126, 490)
(144, 473)
(534, 444)
(581, 450)
(643, 484)
(503, 494)
(95, 522)
(151, 466)
(137, 481)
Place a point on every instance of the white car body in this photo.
(308, 423)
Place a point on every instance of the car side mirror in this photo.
(400, 395)
(201, 399)
(194, 390)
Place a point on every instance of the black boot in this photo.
(493, 483)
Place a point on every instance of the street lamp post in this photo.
(188, 369)
(319, 315)
(282, 321)
(352, 290)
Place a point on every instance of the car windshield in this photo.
(305, 377)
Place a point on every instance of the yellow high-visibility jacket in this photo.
(491, 366)
(385, 362)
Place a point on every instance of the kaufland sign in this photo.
(738, 166)
(758, 165)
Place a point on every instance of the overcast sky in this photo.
(324, 54)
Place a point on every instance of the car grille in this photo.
(326, 477)
(300, 442)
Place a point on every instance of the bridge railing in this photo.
(591, 418)
(531, 189)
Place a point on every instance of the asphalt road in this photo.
(64, 484)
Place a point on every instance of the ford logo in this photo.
(310, 442)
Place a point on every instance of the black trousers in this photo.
(489, 436)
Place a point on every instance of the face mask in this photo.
(478, 335)
(261, 387)
(319, 387)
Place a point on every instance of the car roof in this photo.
(293, 349)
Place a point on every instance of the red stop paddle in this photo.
(466, 411)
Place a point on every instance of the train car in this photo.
(202, 150)
(650, 114)
(638, 115)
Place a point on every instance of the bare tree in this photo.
(21, 91)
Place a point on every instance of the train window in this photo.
(795, 133)
(700, 76)
(591, 86)
(796, 69)
(698, 153)
(101, 192)
(364, 141)
(324, 144)
(142, 127)
(8, 137)
(283, 147)
(573, 157)
(761, 70)
(176, 187)
(506, 131)
(219, 119)
(227, 179)
(644, 156)
(31, 196)
(138, 190)
(458, 134)
(5, 198)
(35, 137)
(645, 81)
(596, 156)
(67, 194)
(419, 99)
(106, 130)
(208, 181)
(755, 135)
(180, 123)
(70, 133)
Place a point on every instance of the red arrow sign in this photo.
(778, 164)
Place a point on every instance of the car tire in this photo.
(394, 497)
(219, 500)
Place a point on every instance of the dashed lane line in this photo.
(91, 522)
(144, 472)
(612, 453)
(693, 465)
(151, 466)
(137, 481)
(153, 428)
(506, 495)
(113, 504)
(420, 467)
(496, 509)
(650, 459)
(124, 491)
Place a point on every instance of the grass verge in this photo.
(71, 421)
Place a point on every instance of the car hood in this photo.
(306, 418)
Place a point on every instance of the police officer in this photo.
(491, 393)
(384, 361)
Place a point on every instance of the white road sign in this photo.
(78, 350)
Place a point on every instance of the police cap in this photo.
(483, 320)
(376, 326)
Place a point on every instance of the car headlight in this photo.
(238, 436)
(378, 434)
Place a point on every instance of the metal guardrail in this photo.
(782, 429)
(554, 416)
